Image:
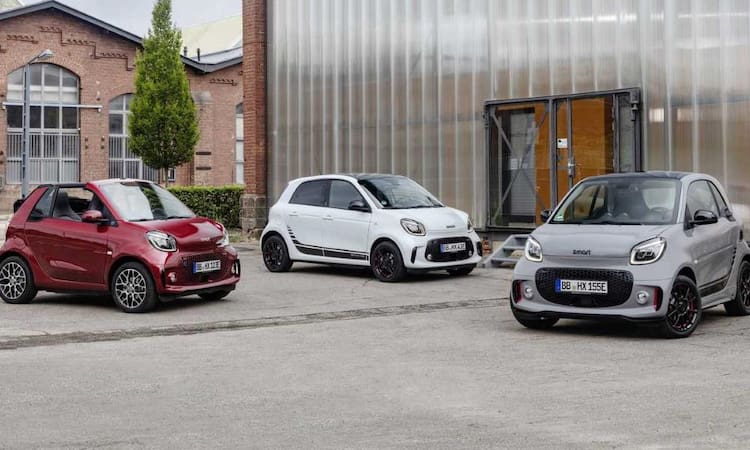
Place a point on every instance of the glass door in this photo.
(539, 148)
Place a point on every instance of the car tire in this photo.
(684, 309)
(16, 281)
(461, 271)
(133, 289)
(534, 324)
(740, 304)
(386, 262)
(276, 254)
(215, 295)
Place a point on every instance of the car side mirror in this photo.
(545, 214)
(728, 213)
(93, 216)
(704, 217)
(358, 205)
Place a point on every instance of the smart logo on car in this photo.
(582, 252)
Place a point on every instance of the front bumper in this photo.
(530, 299)
(177, 278)
(423, 253)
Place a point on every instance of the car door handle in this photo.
(329, 218)
(293, 214)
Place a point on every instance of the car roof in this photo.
(649, 174)
(345, 176)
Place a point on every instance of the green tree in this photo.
(164, 120)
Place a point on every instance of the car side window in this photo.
(719, 199)
(342, 194)
(699, 196)
(311, 193)
(71, 202)
(43, 205)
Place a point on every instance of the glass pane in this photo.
(239, 152)
(36, 74)
(52, 77)
(51, 117)
(15, 116)
(239, 129)
(36, 117)
(16, 78)
(115, 124)
(15, 93)
(117, 104)
(69, 96)
(51, 95)
(238, 109)
(69, 80)
(70, 118)
(342, 194)
(128, 100)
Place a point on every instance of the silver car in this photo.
(656, 247)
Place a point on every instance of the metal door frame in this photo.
(551, 104)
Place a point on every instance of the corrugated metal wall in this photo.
(398, 85)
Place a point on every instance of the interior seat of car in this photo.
(62, 207)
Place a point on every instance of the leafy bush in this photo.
(221, 203)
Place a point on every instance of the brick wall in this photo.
(254, 208)
(104, 64)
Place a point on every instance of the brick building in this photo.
(80, 100)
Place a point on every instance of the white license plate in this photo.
(206, 266)
(581, 286)
(453, 248)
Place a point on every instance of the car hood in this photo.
(594, 240)
(193, 234)
(435, 219)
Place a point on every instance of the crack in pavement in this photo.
(77, 337)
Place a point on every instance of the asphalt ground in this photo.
(325, 358)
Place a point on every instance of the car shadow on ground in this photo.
(104, 301)
(366, 273)
(623, 329)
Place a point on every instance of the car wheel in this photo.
(386, 262)
(684, 310)
(215, 295)
(133, 289)
(276, 255)
(740, 305)
(461, 271)
(16, 281)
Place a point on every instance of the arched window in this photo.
(122, 162)
(54, 138)
(239, 147)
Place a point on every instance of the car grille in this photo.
(619, 286)
(188, 277)
(433, 253)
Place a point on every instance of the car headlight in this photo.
(224, 241)
(648, 252)
(162, 241)
(469, 225)
(533, 250)
(413, 227)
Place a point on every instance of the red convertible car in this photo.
(130, 238)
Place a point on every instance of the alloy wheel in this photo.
(744, 288)
(385, 263)
(12, 280)
(682, 313)
(273, 254)
(130, 288)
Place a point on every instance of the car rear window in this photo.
(312, 193)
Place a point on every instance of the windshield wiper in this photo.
(611, 222)
(143, 219)
(177, 217)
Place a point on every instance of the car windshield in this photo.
(139, 201)
(396, 192)
(621, 201)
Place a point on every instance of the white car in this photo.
(387, 222)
